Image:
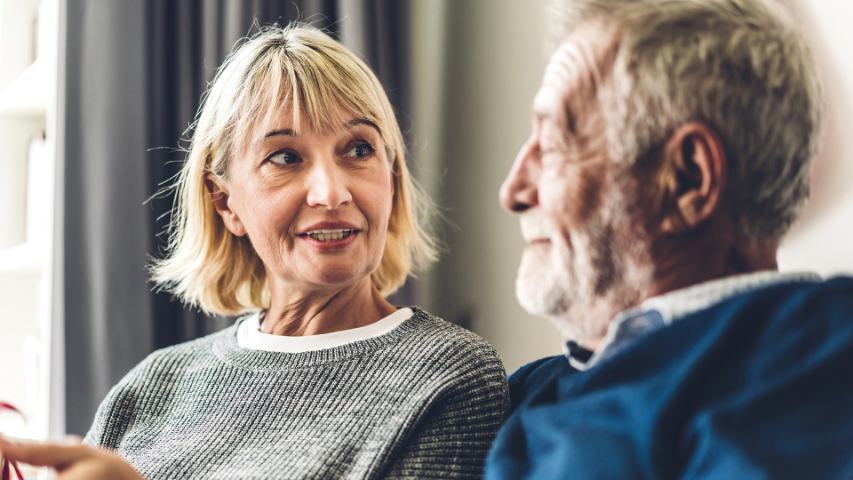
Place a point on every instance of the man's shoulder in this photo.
(531, 378)
(791, 320)
(784, 307)
(830, 291)
(533, 372)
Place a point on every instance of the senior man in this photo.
(669, 154)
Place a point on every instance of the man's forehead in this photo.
(576, 68)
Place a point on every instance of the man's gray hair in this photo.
(739, 66)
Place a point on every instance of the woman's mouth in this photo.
(330, 235)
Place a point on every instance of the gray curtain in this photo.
(134, 72)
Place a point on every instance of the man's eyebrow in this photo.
(540, 115)
(287, 132)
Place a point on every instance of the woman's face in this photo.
(315, 205)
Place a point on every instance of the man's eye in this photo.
(284, 157)
(360, 150)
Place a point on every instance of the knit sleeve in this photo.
(455, 435)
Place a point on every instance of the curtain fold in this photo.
(135, 72)
(106, 306)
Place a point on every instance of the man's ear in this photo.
(218, 190)
(693, 177)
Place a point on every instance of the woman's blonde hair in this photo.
(304, 70)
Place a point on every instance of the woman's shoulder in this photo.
(152, 385)
(437, 328)
(453, 360)
(438, 338)
(170, 364)
(172, 359)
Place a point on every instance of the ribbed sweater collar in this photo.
(226, 349)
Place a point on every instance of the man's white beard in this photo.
(580, 289)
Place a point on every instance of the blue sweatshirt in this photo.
(759, 385)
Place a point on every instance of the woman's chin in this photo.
(337, 277)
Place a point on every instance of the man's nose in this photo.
(327, 186)
(519, 190)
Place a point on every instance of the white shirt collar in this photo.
(250, 336)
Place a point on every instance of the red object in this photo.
(9, 467)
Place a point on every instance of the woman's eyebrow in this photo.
(288, 132)
(361, 121)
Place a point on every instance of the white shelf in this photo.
(28, 101)
(27, 94)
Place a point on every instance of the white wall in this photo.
(478, 65)
(823, 238)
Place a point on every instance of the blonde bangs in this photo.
(309, 81)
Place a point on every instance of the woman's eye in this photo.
(284, 157)
(360, 150)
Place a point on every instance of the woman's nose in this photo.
(327, 187)
(519, 190)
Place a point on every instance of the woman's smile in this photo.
(330, 236)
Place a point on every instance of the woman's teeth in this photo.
(330, 235)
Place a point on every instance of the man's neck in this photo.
(714, 250)
(681, 267)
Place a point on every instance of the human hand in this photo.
(71, 461)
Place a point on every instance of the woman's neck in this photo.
(310, 313)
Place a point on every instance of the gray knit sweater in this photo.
(422, 401)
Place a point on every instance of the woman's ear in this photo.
(221, 199)
(693, 177)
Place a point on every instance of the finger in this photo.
(72, 439)
(43, 454)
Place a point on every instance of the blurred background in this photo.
(95, 95)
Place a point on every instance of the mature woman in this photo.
(295, 204)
